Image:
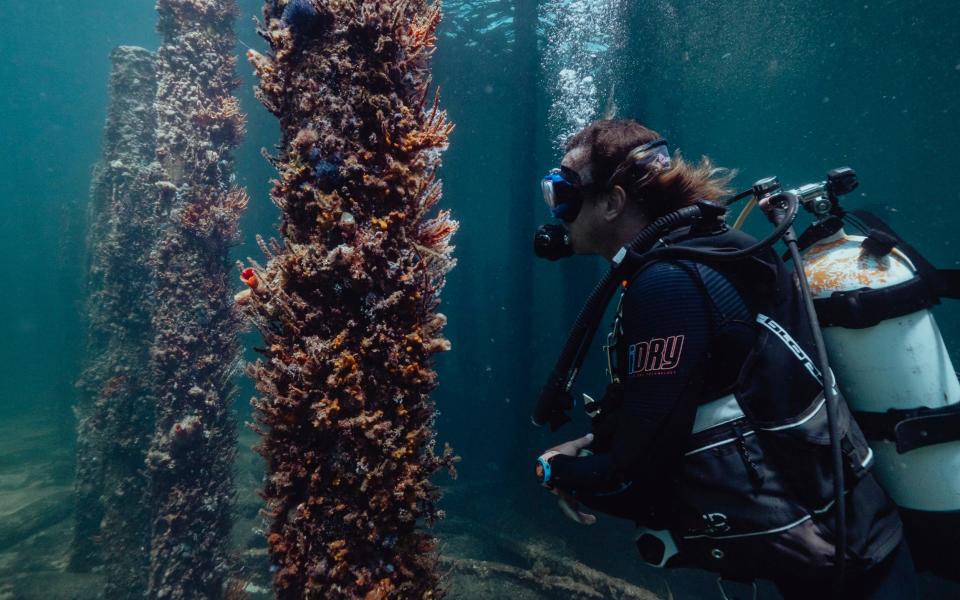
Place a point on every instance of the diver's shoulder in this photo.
(662, 273)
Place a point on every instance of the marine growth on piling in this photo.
(196, 348)
(347, 299)
(115, 419)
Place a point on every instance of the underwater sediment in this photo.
(347, 302)
(196, 351)
(115, 416)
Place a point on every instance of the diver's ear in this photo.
(615, 203)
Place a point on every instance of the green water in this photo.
(769, 88)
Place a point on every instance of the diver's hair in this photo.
(608, 142)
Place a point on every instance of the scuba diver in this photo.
(719, 435)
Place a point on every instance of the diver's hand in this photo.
(568, 503)
(572, 508)
(571, 448)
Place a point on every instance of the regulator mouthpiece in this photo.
(552, 242)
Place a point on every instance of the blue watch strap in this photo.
(545, 465)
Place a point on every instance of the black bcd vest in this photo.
(753, 493)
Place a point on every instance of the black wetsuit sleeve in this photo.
(667, 321)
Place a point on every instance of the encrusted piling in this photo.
(347, 300)
(196, 351)
(116, 414)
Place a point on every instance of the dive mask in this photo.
(562, 191)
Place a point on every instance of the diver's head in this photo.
(616, 177)
(598, 215)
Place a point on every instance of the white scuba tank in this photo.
(899, 363)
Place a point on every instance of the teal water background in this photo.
(785, 88)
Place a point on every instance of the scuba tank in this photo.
(890, 370)
(873, 293)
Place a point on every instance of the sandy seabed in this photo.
(36, 526)
(481, 557)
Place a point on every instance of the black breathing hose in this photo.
(740, 196)
(675, 253)
(833, 409)
(555, 397)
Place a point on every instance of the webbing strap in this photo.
(949, 283)
(912, 428)
(945, 282)
(866, 307)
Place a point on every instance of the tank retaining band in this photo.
(914, 428)
(866, 307)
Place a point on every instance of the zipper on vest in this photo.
(753, 469)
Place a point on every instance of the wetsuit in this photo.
(710, 331)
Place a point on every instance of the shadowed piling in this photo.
(116, 414)
(195, 352)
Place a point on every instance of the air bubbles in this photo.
(580, 38)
